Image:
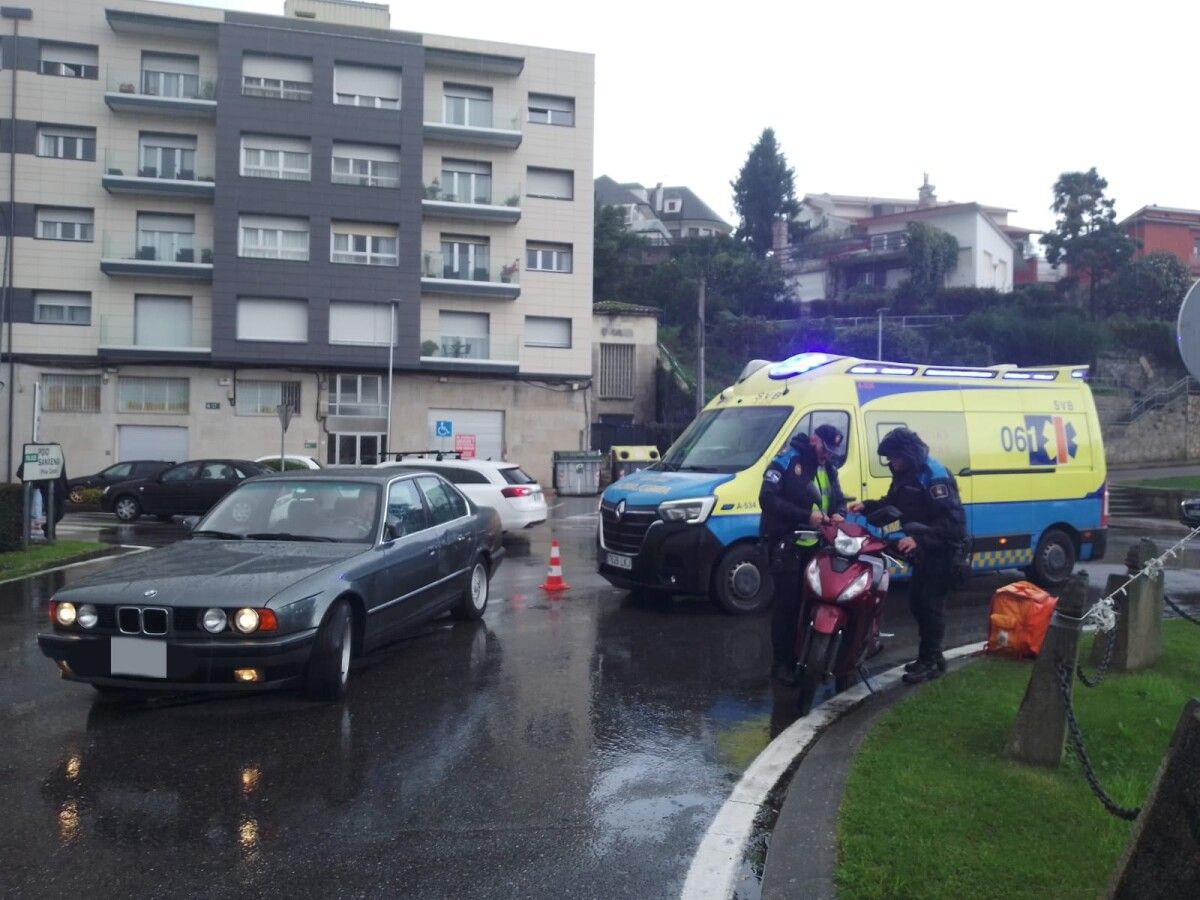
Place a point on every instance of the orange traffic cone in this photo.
(554, 580)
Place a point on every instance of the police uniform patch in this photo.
(773, 476)
(939, 491)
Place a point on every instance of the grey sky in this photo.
(993, 100)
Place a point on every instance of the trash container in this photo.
(577, 472)
(626, 460)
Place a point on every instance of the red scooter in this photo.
(844, 587)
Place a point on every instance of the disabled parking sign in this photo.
(444, 428)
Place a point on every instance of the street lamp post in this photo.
(879, 341)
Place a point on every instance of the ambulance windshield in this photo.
(726, 440)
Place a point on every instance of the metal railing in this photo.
(179, 164)
(481, 192)
(276, 88)
(1183, 388)
(445, 266)
(157, 83)
(465, 348)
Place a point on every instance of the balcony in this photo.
(457, 351)
(481, 203)
(167, 173)
(155, 254)
(485, 126)
(439, 275)
(120, 334)
(161, 93)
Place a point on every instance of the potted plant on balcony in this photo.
(206, 257)
(127, 88)
(513, 200)
(429, 348)
(433, 190)
(508, 272)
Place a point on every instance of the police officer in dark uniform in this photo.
(925, 492)
(799, 491)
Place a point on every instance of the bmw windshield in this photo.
(281, 509)
(726, 440)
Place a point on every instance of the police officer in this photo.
(800, 490)
(925, 492)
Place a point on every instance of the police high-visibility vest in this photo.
(824, 487)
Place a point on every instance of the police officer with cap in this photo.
(800, 490)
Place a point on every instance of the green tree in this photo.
(618, 254)
(932, 253)
(1151, 287)
(764, 192)
(1086, 235)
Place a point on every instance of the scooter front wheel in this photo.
(814, 670)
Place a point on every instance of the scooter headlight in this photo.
(813, 574)
(855, 588)
(845, 545)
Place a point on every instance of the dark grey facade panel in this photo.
(24, 219)
(27, 55)
(310, 27)
(26, 132)
(22, 304)
(318, 200)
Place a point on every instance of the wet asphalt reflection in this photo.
(559, 747)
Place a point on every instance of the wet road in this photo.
(573, 747)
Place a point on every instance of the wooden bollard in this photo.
(1039, 732)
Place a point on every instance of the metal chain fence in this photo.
(1180, 611)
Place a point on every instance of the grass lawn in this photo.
(932, 809)
(1179, 483)
(44, 556)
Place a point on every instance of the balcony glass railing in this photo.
(127, 331)
(365, 172)
(151, 82)
(462, 267)
(481, 191)
(169, 163)
(165, 247)
(475, 115)
(496, 348)
(276, 88)
(892, 240)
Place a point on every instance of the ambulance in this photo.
(1024, 445)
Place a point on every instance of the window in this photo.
(160, 321)
(273, 237)
(261, 398)
(839, 419)
(186, 472)
(693, 232)
(358, 395)
(368, 86)
(166, 238)
(360, 323)
(616, 371)
(546, 109)
(364, 244)
(445, 503)
(465, 181)
(555, 184)
(270, 319)
(60, 142)
(465, 257)
(1196, 248)
(466, 105)
(464, 335)
(276, 77)
(152, 395)
(69, 60)
(547, 331)
(355, 449)
(62, 307)
(368, 165)
(167, 156)
(268, 156)
(55, 223)
(70, 393)
(548, 257)
(405, 509)
(176, 77)
(672, 205)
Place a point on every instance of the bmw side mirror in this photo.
(190, 522)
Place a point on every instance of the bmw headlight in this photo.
(856, 587)
(246, 620)
(214, 620)
(691, 511)
(813, 574)
(86, 616)
(845, 545)
(65, 614)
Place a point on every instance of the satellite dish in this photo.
(1187, 330)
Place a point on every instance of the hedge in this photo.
(12, 509)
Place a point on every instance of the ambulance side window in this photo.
(839, 419)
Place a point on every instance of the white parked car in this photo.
(290, 461)
(504, 486)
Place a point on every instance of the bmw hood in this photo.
(207, 572)
(650, 488)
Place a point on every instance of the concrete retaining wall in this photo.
(1163, 435)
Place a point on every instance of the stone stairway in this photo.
(1123, 503)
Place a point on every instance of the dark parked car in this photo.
(189, 489)
(1189, 513)
(283, 583)
(122, 471)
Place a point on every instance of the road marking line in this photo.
(132, 548)
(715, 867)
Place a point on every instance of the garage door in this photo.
(152, 442)
(486, 426)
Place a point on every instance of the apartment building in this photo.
(216, 213)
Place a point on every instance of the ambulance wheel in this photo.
(1053, 560)
(741, 584)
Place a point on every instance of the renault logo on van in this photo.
(620, 510)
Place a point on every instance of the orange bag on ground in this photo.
(1019, 619)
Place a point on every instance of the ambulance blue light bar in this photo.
(798, 365)
(959, 373)
(1030, 376)
(883, 370)
(1079, 373)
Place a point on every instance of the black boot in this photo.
(940, 662)
(924, 671)
(785, 673)
(912, 666)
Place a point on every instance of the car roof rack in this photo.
(438, 455)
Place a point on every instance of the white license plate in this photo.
(135, 656)
(619, 562)
(537, 496)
